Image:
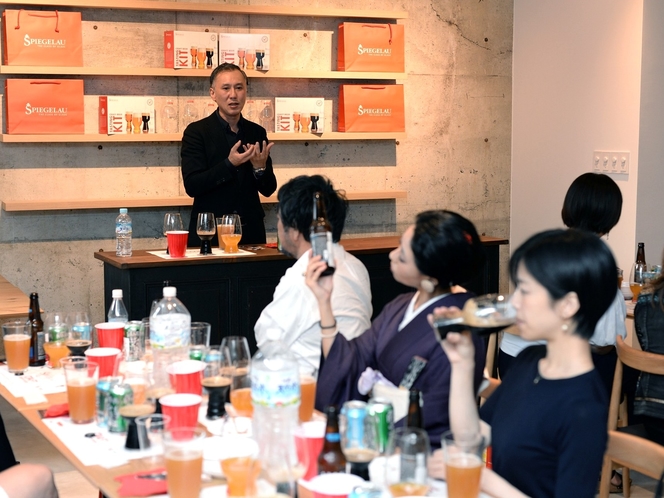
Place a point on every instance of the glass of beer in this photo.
(241, 466)
(137, 121)
(200, 55)
(406, 468)
(241, 390)
(251, 58)
(308, 378)
(55, 338)
(637, 279)
(217, 378)
(231, 232)
(304, 123)
(16, 336)
(463, 463)
(183, 452)
(81, 377)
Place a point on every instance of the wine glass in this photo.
(238, 349)
(406, 465)
(55, 338)
(217, 378)
(231, 232)
(240, 360)
(482, 315)
(78, 338)
(267, 116)
(359, 440)
(172, 221)
(637, 279)
(206, 229)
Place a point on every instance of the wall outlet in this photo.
(610, 162)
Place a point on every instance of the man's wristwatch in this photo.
(259, 171)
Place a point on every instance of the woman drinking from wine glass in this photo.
(547, 420)
(440, 250)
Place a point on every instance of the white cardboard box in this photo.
(114, 110)
(182, 50)
(289, 114)
(244, 50)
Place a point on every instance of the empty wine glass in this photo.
(482, 315)
(172, 221)
(206, 229)
(238, 349)
(267, 116)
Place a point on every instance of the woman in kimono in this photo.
(441, 250)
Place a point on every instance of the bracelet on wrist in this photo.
(333, 326)
(327, 336)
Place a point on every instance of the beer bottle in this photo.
(641, 254)
(414, 416)
(331, 459)
(320, 234)
(37, 355)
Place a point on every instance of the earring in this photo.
(427, 285)
(565, 327)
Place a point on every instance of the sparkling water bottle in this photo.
(123, 234)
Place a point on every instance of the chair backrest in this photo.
(636, 453)
(635, 358)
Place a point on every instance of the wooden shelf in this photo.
(192, 73)
(176, 201)
(176, 137)
(269, 10)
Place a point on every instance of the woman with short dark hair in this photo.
(546, 422)
(442, 249)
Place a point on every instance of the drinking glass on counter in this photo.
(199, 339)
(637, 279)
(238, 349)
(16, 336)
(217, 378)
(231, 232)
(241, 390)
(172, 222)
(183, 452)
(55, 338)
(359, 437)
(150, 429)
(205, 228)
(81, 377)
(463, 463)
(80, 333)
(241, 466)
(308, 379)
(406, 467)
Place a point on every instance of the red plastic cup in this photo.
(177, 243)
(182, 408)
(107, 358)
(110, 334)
(309, 443)
(186, 376)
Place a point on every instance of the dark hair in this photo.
(564, 261)
(593, 202)
(226, 67)
(446, 247)
(296, 199)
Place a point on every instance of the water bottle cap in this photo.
(123, 210)
(170, 292)
(117, 293)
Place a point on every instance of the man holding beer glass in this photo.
(226, 159)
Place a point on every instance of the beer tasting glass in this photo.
(240, 359)
(205, 229)
(150, 429)
(240, 55)
(359, 437)
(463, 463)
(314, 122)
(16, 336)
(199, 339)
(240, 465)
(183, 452)
(251, 58)
(145, 117)
(128, 118)
(80, 333)
(217, 378)
(136, 120)
(308, 378)
(296, 122)
(172, 222)
(209, 52)
(637, 279)
(619, 273)
(81, 378)
(231, 232)
(406, 465)
(55, 338)
(260, 55)
(304, 123)
(200, 55)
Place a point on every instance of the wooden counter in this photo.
(230, 293)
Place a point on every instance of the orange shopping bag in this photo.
(35, 38)
(370, 47)
(371, 108)
(44, 106)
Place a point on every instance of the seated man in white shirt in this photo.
(294, 309)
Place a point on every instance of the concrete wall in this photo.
(577, 81)
(456, 156)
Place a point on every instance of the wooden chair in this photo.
(640, 360)
(488, 390)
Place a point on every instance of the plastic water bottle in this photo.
(170, 325)
(275, 395)
(123, 234)
(118, 311)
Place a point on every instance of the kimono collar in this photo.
(412, 313)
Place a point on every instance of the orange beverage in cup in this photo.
(55, 351)
(183, 469)
(81, 395)
(201, 58)
(636, 290)
(17, 350)
(463, 476)
(231, 242)
(241, 474)
(223, 230)
(136, 121)
(241, 401)
(308, 396)
(408, 489)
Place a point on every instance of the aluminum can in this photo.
(119, 395)
(353, 414)
(367, 490)
(57, 333)
(103, 388)
(382, 414)
(134, 341)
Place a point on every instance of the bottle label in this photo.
(122, 228)
(321, 243)
(41, 354)
(170, 331)
(332, 437)
(275, 388)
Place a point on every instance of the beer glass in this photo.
(231, 232)
(314, 122)
(240, 465)
(251, 58)
(308, 379)
(637, 279)
(241, 52)
(150, 429)
(238, 349)
(194, 52)
(296, 122)
(209, 53)
(205, 228)
(128, 118)
(200, 55)
(463, 463)
(359, 437)
(172, 222)
(16, 336)
(241, 389)
(56, 333)
(80, 330)
(136, 120)
(183, 452)
(217, 378)
(145, 117)
(267, 117)
(406, 465)
(81, 377)
(304, 123)
(260, 54)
